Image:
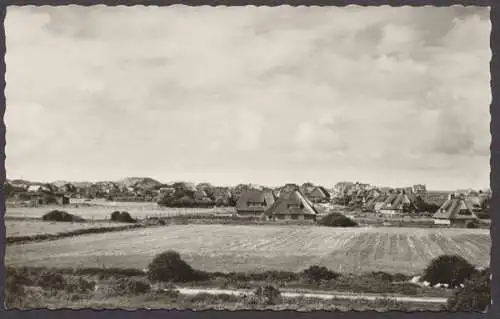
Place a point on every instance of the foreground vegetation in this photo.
(129, 288)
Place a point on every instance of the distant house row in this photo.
(289, 205)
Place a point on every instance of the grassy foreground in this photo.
(128, 288)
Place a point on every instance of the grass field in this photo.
(258, 248)
(15, 228)
(99, 212)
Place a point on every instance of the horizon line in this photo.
(243, 183)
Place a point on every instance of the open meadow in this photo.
(259, 248)
(15, 228)
(103, 210)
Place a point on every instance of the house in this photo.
(318, 195)
(419, 188)
(62, 199)
(254, 202)
(455, 211)
(373, 202)
(398, 203)
(435, 197)
(34, 188)
(292, 206)
(289, 188)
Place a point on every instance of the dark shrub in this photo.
(337, 220)
(78, 285)
(472, 224)
(317, 273)
(14, 287)
(114, 215)
(168, 266)
(448, 269)
(122, 217)
(51, 280)
(61, 216)
(268, 295)
(128, 286)
(474, 296)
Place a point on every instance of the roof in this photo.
(437, 198)
(294, 203)
(319, 192)
(396, 201)
(455, 208)
(264, 198)
(374, 201)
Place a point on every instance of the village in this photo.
(291, 202)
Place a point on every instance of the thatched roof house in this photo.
(254, 202)
(397, 204)
(374, 204)
(292, 206)
(455, 211)
(318, 195)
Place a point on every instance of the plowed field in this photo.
(254, 248)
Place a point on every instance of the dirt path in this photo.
(325, 296)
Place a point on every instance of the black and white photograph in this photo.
(248, 158)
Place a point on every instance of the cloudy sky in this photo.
(390, 96)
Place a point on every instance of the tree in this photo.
(474, 296)
(337, 220)
(448, 269)
(168, 266)
(318, 273)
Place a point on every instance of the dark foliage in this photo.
(268, 295)
(61, 216)
(337, 220)
(448, 269)
(122, 217)
(169, 267)
(127, 286)
(318, 273)
(472, 224)
(51, 280)
(78, 285)
(424, 207)
(474, 296)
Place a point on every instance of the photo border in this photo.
(494, 311)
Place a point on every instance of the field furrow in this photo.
(254, 248)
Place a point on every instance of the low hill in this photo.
(142, 182)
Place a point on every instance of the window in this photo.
(295, 216)
(256, 204)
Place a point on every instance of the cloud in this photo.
(169, 90)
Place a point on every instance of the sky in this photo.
(266, 95)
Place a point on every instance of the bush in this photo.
(61, 216)
(474, 296)
(127, 286)
(78, 285)
(317, 273)
(14, 287)
(337, 220)
(168, 266)
(122, 217)
(448, 269)
(268, 295)
(51, 280)
(472, 224)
